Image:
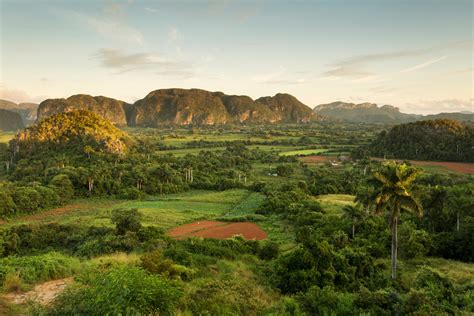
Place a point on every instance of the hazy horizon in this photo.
(415, 55)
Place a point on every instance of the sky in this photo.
(414, 54)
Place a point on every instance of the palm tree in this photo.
(393, 194)
(354, 214)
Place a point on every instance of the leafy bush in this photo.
(155, 263)
(327, 301)
(413, 242)
(121, 291)
(126, 220)
(32, 269)
(227, 297)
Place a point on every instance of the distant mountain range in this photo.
(371, 113)
(27, 111)
(201, 107)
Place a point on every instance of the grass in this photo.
(303, 152)
(164, 212)
(333, 203)
(5, 137)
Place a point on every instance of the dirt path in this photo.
(43, 293)
(44, 214)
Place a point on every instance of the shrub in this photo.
(126, 220)
(63, 187)
(7, 205)
(268, 250)
(132, 194)
(227, 297)
(32, 269)
(121, 291)
(13, 282)
(155, 263)
(327, 301)
(414, 243)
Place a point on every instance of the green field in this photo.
(164, 212)
(5, 137)
(303, 152)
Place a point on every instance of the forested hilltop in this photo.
(441, 140)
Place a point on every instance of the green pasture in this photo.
(164, 212)
(5, 137)
(303, 152)
(333, 203)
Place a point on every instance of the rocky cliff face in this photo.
(10, 121)
(111, 109)
(179, 106)
(201, 107)
(288, 109)
(186, 107)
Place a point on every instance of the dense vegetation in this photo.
(442, 140)
(331, 226)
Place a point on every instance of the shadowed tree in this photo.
(393, 183)
(354, 214)
(459, 202)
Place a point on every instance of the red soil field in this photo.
(219, 230)
(192, 227)
(314, 159)
(461, 167)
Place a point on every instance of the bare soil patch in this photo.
(193, 227)
(461, 167)
(219, 230)
(314, 159)
(43, 293)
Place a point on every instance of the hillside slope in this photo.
(288, 109)
(111, 109)
(10, 121)
(364, 113)
(27, 111)
(442, 140)
(69, 132)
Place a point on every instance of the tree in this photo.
(393, 194)
(458, 202)
(126, 220)
(284, 170)
(355, 215)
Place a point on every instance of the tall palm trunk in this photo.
(394, 248)
(353, 231)
(457, 221)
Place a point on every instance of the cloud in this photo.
(122, 61)
(19, 96)
(112, 28)
(423, 65)
(281, 76)
(111, 23)
(150, 10)
(173, 34)
(438, 106)
(358, 67)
